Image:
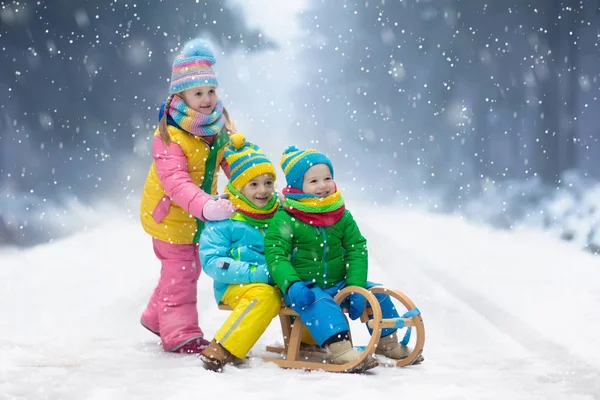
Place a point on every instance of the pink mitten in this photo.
(218, 209)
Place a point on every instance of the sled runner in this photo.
(295, 354)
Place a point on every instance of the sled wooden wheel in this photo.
(415, 321)
(292, 335)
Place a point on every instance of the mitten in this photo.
(218, 208)
(300, 295)
(357, 305)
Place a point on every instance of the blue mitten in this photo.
(300, 295)
(357, 305)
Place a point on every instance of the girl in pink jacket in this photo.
(179, 194)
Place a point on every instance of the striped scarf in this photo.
(248, 212)
(195, 122)
(314, 210)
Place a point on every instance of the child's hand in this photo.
(357, 305)
(300, 295)
(218, 208)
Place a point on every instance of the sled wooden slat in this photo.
(276, 349)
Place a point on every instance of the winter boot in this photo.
(389, 347)
(342, 352)
(313, 353)
(216, 356)
(194, 346)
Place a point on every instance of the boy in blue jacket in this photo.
(232, 253)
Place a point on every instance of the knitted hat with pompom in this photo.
(246, 161)
(192, 67)
(295, 163)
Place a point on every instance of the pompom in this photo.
(199, 48)
(237, 140)
(290, 149)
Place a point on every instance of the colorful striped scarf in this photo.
(314, 210)
(248, 212)
(195, 122)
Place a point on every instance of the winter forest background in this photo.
(483, 108)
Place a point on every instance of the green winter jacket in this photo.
(297, 251)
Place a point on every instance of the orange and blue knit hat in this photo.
(192, 67)
(246, 161)
(295, 163)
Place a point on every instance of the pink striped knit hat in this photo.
(192, 67)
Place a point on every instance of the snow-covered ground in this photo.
(508, 315)
(570, 211)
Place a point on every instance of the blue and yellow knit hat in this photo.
(295, 163)
(192, 67)
(246, 161)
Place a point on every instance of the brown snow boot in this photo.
(216, 356)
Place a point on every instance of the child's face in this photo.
(260, 190)
(318, 181)
(201, 98)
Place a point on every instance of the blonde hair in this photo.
(164, 131)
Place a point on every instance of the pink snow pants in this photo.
(171, 312)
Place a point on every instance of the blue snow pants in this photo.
(324, 318)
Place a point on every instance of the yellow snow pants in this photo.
(254, 307)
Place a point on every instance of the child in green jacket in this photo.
(314, 249)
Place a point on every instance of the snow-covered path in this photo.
(507, 316)
(510, 312)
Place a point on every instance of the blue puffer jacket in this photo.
(232, 252)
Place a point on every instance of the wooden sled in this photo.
(292, 357)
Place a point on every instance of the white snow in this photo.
(508, 315)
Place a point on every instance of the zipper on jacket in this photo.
(235, 253)
(294, 251)
(324, 256)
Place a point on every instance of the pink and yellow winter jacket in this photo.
(172, 198)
